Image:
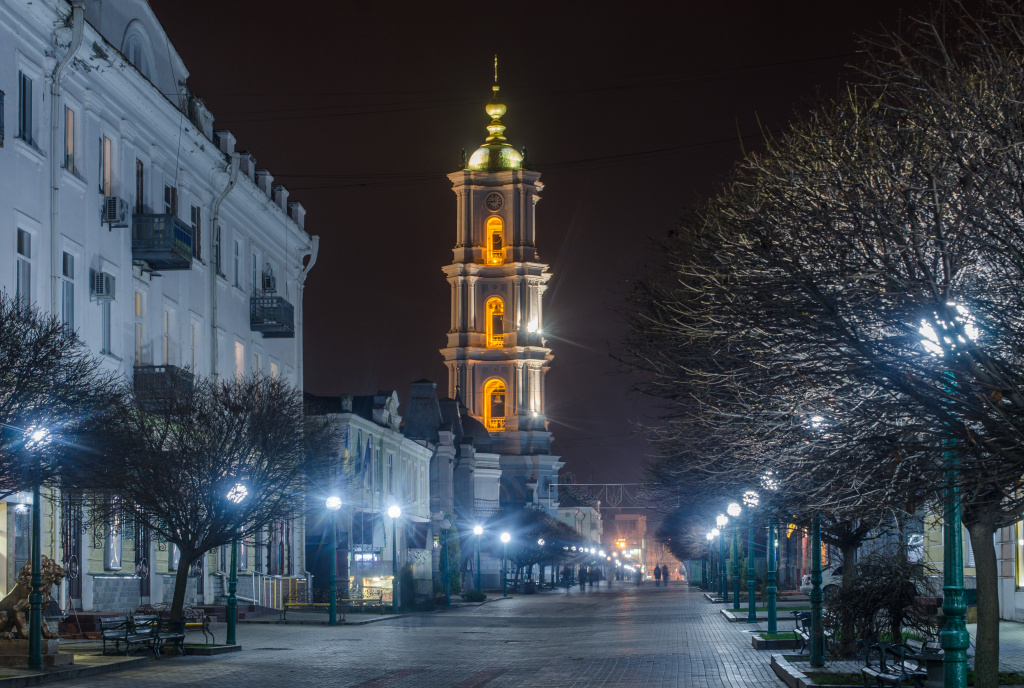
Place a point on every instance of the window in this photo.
(243, 554)
(25, 109)
(218, 263)
(166, 338)
(139, 313)
(193, 348)
(140, 187)
(275, 370)
(239, 360)
(69, 139)
(174, 558)
(1018, 548)
(495, 323)
(255, 362)
(105, 327)
(68, 294)
(1, 119)
(196, 216)
(391, 473)
(255, 276)
(24, 287)
(237, 264)
(105, 166)
(495, 243)
(170, 200)
(112, 544)
(494, 399)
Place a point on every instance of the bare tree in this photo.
(204, 462)
(865, 270)
(53, 392)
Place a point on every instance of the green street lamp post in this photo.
(333, 505)
(35, 597)
(954, 637)
(505, 537)
(735, 511)
(394, 512)
(773, 622)
(445, 525)
(236, 495)
(817, 641)
(478, 531)
(711, 560)
(751, 500)
(723, 583)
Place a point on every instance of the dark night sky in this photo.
(631, 111)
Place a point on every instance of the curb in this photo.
(777, 644)
(73, 672)
(794, 678)
(211, 651)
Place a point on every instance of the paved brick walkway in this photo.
(625, 636)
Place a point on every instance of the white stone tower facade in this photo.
(496, 355)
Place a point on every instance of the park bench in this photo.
(802, 632)
(890, 669)
(118, 631)
(926, 658)
(195, 620)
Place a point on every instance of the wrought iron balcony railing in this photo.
(273, 316)
(163, 241)
(496, 424)
(157, 386)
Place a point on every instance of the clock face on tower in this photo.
(494, 201)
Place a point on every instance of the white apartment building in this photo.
(162, 246)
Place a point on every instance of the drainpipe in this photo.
(314, 248)
(232, 178)
(56, 265)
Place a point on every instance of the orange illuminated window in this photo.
(495, 323)
(495, 250)
(494, 411)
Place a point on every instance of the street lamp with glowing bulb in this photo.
(236, 495)
(333, 504)
(478, 530)
(394, 513)
(751, 499)
(734, 510)
(505, 537)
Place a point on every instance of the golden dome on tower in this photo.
(497, 153)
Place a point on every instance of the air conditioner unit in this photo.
(102, 285)
(114, 212)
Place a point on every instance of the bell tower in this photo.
(497, 356)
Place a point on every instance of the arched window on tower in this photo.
(495, 323)
(494, 400)
(495, 251)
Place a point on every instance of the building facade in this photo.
(158, 243)
(496, 354)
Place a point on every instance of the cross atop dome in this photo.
(497, 153)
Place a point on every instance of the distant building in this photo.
(626, 534)
(159, 245)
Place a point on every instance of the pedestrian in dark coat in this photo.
(657, 575)
(664, 573)
(583, 577)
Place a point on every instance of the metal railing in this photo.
(157, 386)
(162, 241)
(495, 423)
(272, 316)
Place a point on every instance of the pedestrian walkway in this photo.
(620, 635)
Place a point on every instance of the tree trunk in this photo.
(986, 659)
(181, 584)
(847, 632)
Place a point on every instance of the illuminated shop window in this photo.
(494, 413)
(1018, 548)
(495, 243)
(495, 323)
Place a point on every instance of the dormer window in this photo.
(136, 49)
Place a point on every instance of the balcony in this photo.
(496, 424)
(157, 386)
(163, 241)
(272, 316)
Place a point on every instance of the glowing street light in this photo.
(333, 504)
(505, 537)
(236, 495)
(751, 500)
(478, 530)
(394, 513)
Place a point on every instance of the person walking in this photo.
(583, 577)
(664, 573)
(657, 575)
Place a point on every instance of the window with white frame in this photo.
(168, 342)
(237, 263)
(24, 285)
(69, 139)
(255, 273)
(275, 370)
(170, 200)
(197, 222)
(140, 187)
(255, 362)
(25, 132)
(106, 166)
(193, 345)
(67, 284)
(218, 263)
(391, 473)
(106, 327)
(140, 311)
(239, 359)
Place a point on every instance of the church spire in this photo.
(497, 153)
